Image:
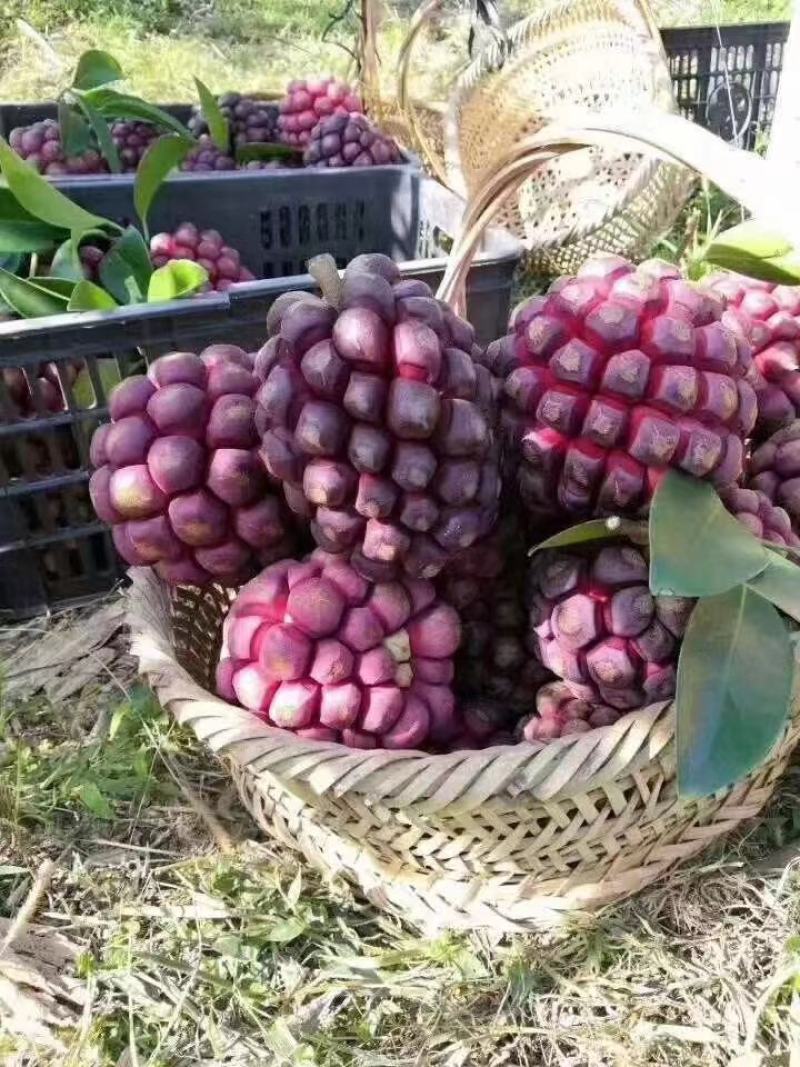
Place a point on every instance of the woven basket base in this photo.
(512, 838)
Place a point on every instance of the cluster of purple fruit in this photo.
(40, 146)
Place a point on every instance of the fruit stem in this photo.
(325, 273)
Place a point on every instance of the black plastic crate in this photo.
(726, 78)
(52, 551)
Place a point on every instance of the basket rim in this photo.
(545, 771)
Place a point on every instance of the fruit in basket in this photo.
(768, 317)
(222, 263)
(309, 101)
(40, 146)
(774, 470)
(497, 661)
(379, 422)
(132, 140)
(177, 471)
(614, 377)
(315, 648)
(206, 156)
(559, 713)
(349, 141)
(765, 520)
(600, 630)
(250, 121)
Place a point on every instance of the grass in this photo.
(193, 944)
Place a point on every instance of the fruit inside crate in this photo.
(51, 550)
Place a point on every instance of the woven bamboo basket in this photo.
(597, 54)
(511, 838)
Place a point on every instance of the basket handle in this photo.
(422, 16)
(759, 186)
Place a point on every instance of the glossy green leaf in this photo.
(22, 235)
(28, 299)
(734, 686)
(217, 123)
(96, 68)
(60, 287)
(696, 547)
(126, 269)
(593, 530)
(247, 152)
(160, 159)
(102, 132)
(87, 296)
(779, 583)
(177, 279)
(75, 134)
(114, 105)
(41, 199)
(751, 249)
(66, 263)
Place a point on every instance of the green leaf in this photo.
(94, 800)
(286, 930)
(696, 547)
(83, 390)
(60, 287)
(161, 157)
(40, 198)
(751, 249)
(66, 263)
(96, 68)
(102, 132)
(734, 687)
(217, 123)
(114, 105)
(87, 296)
(11, 261)
(779, 583)
(75, 136)
(22, 235)
(247, 152)
(126, 269)
(177, 279)
(28, 299)
(593, 530)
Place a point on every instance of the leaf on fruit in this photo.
(247, 152)
(66, 262)
(74, 130)
(217, 123)
(87, 296)
(102, 132)
(160, 159)
(60, 287)
(114, 105)
(125, 270)
(779, 583)
(751, 249)
(28, 299)
(96, 68)
(696, 547)
(735, 678)
(583, 532)
(175, 280)
(41, 199)
(23, 235)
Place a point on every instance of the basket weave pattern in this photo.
(509, 838)
(582, 54)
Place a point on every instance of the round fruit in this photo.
(559, 713)
(40, 146)
(178, 475)
(774, 470)
(132, 140)
(616, 376)
(378, 421)
(313, 646)
(206, 156)
(767, 316)
(309, 101)
(764, 519)
(349, 141)
(599, 628)
(250, 121)
(222, 263)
